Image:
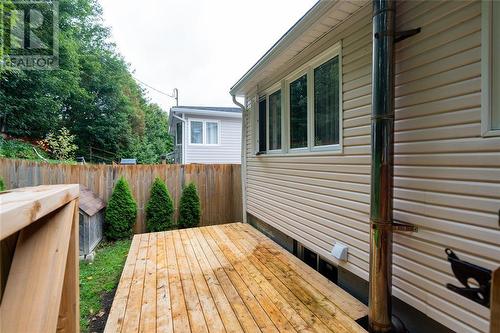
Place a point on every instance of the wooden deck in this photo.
(225, 278)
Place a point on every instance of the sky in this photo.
(201, 47)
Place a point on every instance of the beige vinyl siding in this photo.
(319, 199)
(447, 176)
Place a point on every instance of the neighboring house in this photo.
(307, 156)
(206, 134)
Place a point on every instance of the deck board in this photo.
(225, 278)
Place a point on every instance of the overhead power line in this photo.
(153, 88)
(175, 95)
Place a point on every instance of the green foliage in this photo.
(61, 145)
(5, 5)
(100, 276)
(93, 94)
(156, 140)
(160, 208)
(19, 149)
(2, 185)
(121, 212)
(189, 207)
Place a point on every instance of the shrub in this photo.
(2, 185)
(189, 207)
(160, 208)
(61, 146)
(120, 212)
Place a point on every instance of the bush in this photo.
(62, 145)
(120, 212)
(160, 208)
(189, 207)
(2, 185)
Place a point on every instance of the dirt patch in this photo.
(97, 322)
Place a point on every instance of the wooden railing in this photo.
(39, 259)
(219, 185)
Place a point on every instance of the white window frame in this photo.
(288, 80)
(206, 132)
(318, 61)
(284, 85)
(257, 123)
(487, 69)
(254, 124)
(269, 92)
(204, 129)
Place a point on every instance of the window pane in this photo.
(495, 102)
(212, 133)
(298, 113)
(275, 120)
(326, 103)
(178, 133)
(262, 125)
(196, 132)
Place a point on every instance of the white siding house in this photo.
(315, 188)
(206, 134)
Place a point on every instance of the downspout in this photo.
(243, 158)
(184, 139)
(382, 143)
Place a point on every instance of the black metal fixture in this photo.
(402, 35)
(475, 279)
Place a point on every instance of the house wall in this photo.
(229, 149)
(447, 176)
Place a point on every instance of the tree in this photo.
(92, 93)
(156, 141)
(121, 212)
(60, 145)
(160, 208)
(189, 207)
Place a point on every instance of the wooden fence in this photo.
(219, 185)
(39, 260)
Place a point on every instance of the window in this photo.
(310, 99)
(178, 133)
(204, 132)
(298, 113)
(212, 133)
(326, 103)
(196, 132)
(262, 124)
(490, 68)
(275, 121)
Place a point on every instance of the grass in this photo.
(19, 149)
(100, 276)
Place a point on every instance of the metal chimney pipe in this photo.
(382, 138)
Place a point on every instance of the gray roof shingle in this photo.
(206, 108)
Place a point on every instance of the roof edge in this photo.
(298, 28)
